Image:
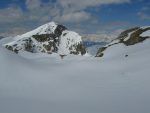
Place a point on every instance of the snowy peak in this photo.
(48, 28)
(48, 38)
(129, 37)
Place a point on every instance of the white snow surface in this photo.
(68, 39)
(146, 33)
(41, 83)
(44, 29)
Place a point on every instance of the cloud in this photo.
(83, 4)
(61, 11)
(75, 17)
(10, 15)
(33, 4)
(74, 10)
(14, 31)
(65, 11)
(143, 14)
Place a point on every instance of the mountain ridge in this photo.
(48, 38)
(128, 37)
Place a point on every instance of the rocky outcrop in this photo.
(100, 52)
(129, 37)
(133, 36)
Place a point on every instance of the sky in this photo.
(82, 16)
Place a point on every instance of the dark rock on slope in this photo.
(129, 37)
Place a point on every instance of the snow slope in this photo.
(44, 29)
(67, 40)
(127, 38)
(49, 38)
(42, 83)
(147, 33)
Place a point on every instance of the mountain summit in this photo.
(48, 38)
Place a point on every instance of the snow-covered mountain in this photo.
(127, 39)
(48, 38)
(118, 82)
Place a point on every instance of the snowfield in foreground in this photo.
(39, 83)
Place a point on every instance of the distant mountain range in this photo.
(54, 38)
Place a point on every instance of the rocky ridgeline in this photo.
(128, 38)
(48, 39)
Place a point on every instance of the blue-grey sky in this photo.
(83, 16)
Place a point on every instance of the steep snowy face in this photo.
(48, 38)
(129, 37)
(70, 43)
